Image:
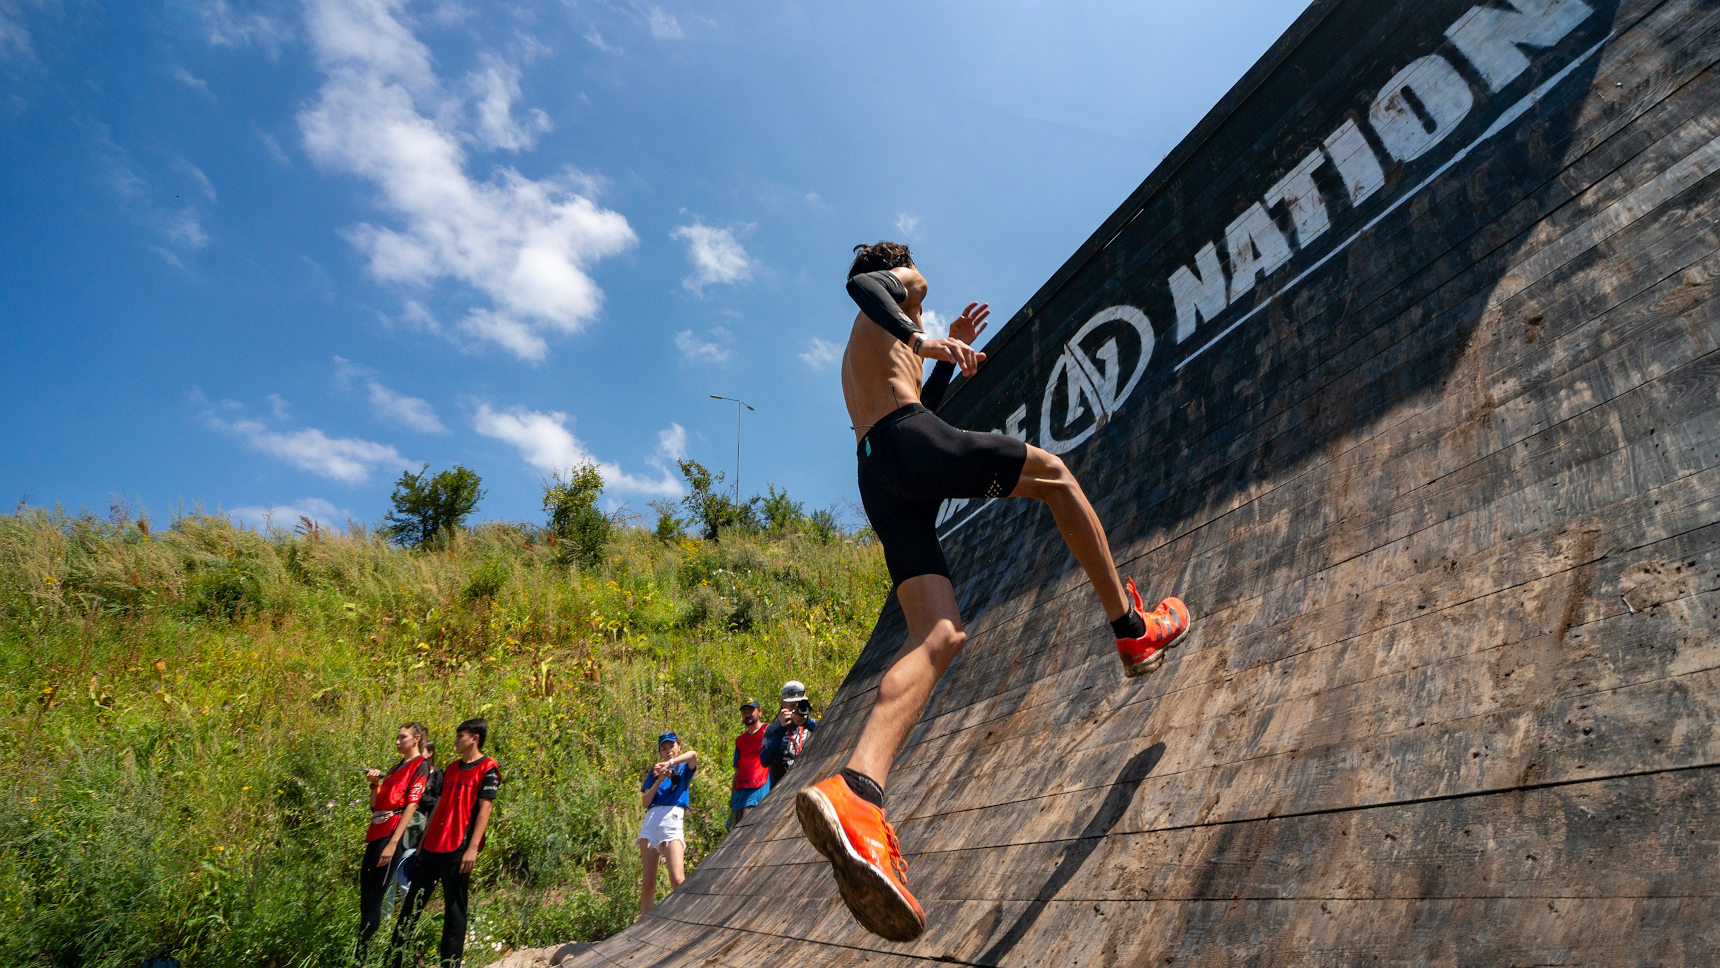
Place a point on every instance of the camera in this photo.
(804, 707)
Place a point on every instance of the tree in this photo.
(782, 515)
(574, 519)
(668, 526)
(824, 524)
(713, 511)
(427, 508)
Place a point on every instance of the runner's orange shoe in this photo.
(861, 847)
(1165, 625)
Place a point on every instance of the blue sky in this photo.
(272, 254)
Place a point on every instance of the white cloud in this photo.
(287, 517)
(664, 26)
(224, 28)
(179, 224)
(204, 185)
(279, 407)
(716, 256)
(672, 443)
(274, 147)
(184, 228)
(821, 354)
(451, 13)
(342, 458)
(188, 79)
(497, 87)
(695, 349)
(936, 326)
(595, 39)
(906, 224)
(411, 412)
(507, 332)
(546, 444)
(14, 36)
(524, 243)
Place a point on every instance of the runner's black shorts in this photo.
(910, 462)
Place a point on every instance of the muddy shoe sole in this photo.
(870, 895)
(1142, 668)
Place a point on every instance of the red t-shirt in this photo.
(463, 785)
(404, 784)
(749, 772)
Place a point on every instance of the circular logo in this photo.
(1083, 391)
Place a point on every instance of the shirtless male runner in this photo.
(910, 461)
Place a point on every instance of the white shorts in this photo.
(662, 824)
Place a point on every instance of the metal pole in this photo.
(738, 405)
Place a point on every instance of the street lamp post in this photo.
(738, 405)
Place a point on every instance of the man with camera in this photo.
(785, 739)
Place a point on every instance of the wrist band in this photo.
(918, 342)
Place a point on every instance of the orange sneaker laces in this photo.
(896, 861)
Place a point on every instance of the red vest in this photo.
(457, 809)
(749, 772)
(402, 786)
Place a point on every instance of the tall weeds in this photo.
(188, 710)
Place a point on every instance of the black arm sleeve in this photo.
(879, 294)
(932, 393)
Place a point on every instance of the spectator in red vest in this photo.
(394, 800)
(752, 778)
(451, 843)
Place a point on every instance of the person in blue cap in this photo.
(663, 793)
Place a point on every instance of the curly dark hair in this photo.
(880, 255)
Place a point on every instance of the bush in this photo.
(713, 511)
(824, 525)
(668, 529)
(574, 519)
(782, 515)
(427, 508)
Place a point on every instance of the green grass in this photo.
(187, 711)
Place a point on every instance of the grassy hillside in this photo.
(187, 709)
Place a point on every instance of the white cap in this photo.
(793, 689)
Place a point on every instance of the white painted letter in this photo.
(1489, 36)
(1442, 92)
(1355, 161)
(1202, 294)
(1298, 192)
(1253, 231)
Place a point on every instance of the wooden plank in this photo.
(1445, 596)
(1536, 625)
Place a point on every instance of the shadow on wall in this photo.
(1116, 803)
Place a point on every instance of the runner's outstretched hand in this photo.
(971, 322)
(953, 350)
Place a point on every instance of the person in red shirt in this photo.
(752, 778)
(451, 843)
(394, 799)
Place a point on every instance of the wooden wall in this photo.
(1442, 490)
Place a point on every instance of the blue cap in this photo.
(750, 701)
(668, 738)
